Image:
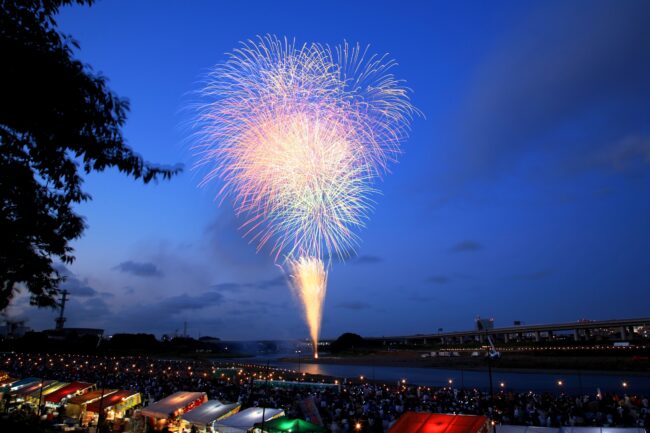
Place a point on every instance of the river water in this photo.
(539, 381)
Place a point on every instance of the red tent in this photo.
(66, 391)
(110, 400)
(422, 422)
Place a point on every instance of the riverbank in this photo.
(520, 362)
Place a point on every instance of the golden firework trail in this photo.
(297, 135)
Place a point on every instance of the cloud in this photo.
(73, 284)
(271, 283)
(140, 269)
(185, 302)
(166, 314)
(353, 305)
(466, 246)
(367, 260)
(438, 279)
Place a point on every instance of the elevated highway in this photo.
(584, 330)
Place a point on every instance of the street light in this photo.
(624, 384)
(560, 383)
(502, 384)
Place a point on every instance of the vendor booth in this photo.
(5, 383)
(61, 395)
(286, 425)
(14, 386)
(114, 406)
(39, 395)
(5, 379)
(422, 422)
(166, 412)
(21, 395)
(245, 420)
(76, 406)
(203, 417)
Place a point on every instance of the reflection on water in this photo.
(538, 381)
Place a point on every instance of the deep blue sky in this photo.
(524, 194)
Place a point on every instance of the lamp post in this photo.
(40, 393)
(266, 386)
(101, 402)
(492, 405)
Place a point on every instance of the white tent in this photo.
(246, 419)
(174, 405)
(209, 412)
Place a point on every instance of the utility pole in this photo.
(61, 320)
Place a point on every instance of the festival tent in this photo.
(77, 405)
(114, 406)
(286, 425)
(119, 401)
(23, 382)
(175, 405)
(246, 419)
(5, 379)
(72, 389)
(213, 410)
(33, 389)
(37, 396)
(5, 383)
(422, 422)
(526, 429)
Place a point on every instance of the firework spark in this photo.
(309, 281)
(298, 134)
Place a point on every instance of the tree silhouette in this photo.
(57, 118)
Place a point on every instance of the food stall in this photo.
(76, 406)
(245, 420)
(203, 417)
(114, 406)
(167, 412)
(286, 425)
(61, 395)
(37, 395)
(423, 422)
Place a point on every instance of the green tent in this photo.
(286, 425)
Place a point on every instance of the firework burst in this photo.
(298, 134)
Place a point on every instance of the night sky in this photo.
(523, 194)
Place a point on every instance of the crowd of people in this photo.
(358, 405)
